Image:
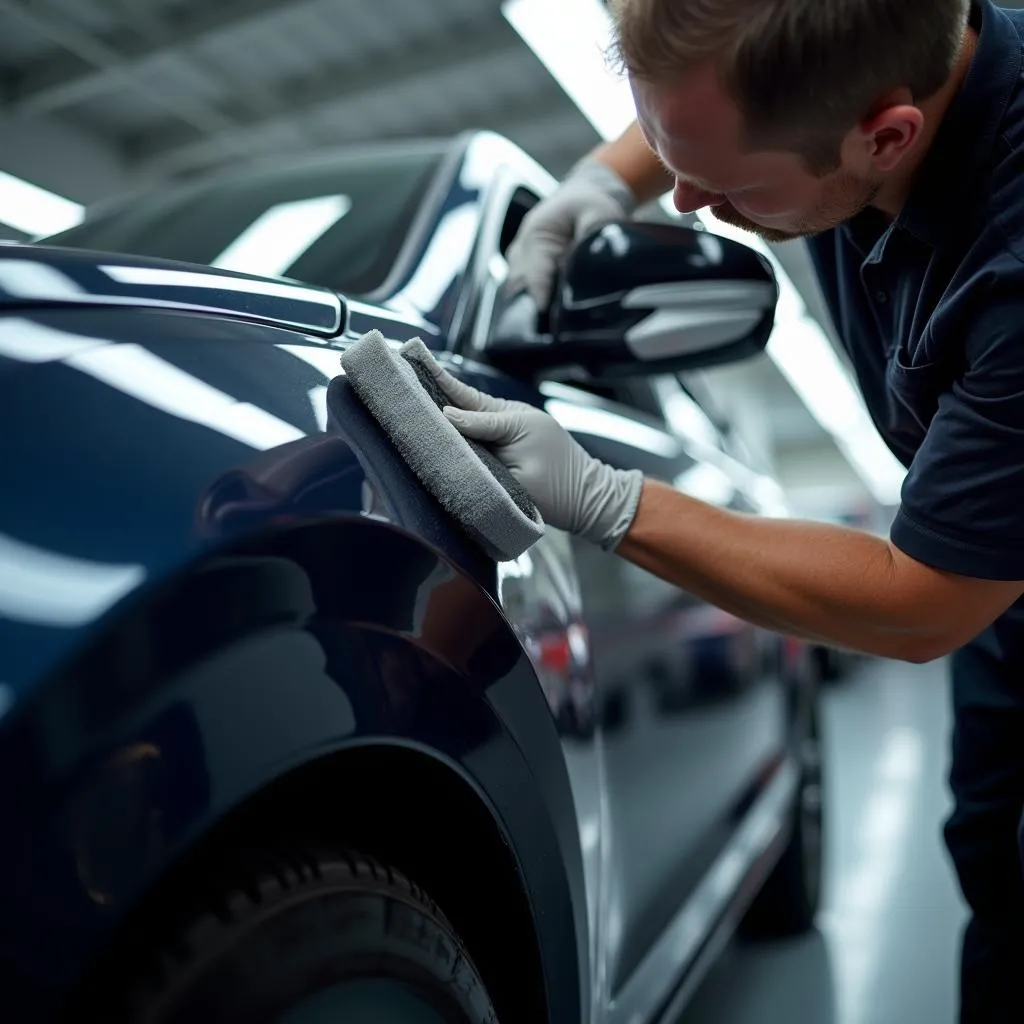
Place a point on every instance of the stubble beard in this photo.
(847, 197)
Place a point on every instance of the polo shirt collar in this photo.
(951, 181)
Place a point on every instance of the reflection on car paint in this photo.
(272, 586)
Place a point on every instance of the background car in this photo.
(279, 740)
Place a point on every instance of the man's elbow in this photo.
(926, 653)
(922, 649)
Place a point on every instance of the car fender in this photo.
(210, 679)
(174, 716)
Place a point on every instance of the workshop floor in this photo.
(888, 938)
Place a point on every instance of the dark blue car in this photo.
(278, 742)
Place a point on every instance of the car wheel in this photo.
(788, 903)
(305, 938)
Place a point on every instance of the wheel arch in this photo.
(252, 706)
(420, 796)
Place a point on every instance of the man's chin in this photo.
(728, 214)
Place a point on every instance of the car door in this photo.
(689, 716)
(686, 723)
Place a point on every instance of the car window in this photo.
(334, 221)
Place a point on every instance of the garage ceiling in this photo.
(100, 96)
(171, 86)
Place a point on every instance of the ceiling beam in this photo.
(169, 149)
(97, 54)
(514, 123)
(94, 66)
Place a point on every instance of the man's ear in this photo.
(890, 130)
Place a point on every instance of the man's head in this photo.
(787, 117)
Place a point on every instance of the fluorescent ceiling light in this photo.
(570, 38)
(815, 373)
(34, 210)
(272, 243)
(51, 589)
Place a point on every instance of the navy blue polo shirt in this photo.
(930, 309)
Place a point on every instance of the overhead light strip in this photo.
(571, 38)
(34, 210)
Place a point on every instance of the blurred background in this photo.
(99, 98)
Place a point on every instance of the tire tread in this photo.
(236, 890)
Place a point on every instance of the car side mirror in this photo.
(636, 298)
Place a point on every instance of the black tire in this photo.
(302, 938)
(789, 900)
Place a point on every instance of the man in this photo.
(890, 134)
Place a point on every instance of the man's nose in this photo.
(688, 198)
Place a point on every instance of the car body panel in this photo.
(158, 449)
(684, 769)
(195, 488)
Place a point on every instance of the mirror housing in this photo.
(636, 298)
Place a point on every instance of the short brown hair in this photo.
(802, 72)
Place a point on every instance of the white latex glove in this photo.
(573, 491)
(591, 196)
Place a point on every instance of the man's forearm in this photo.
(636, 164)
(816, 581)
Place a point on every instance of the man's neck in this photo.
(894, 192)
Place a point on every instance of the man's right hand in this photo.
(591, 196)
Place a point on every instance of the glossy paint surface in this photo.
(216, 570)
(269, 550)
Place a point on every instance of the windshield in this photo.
(337, 221)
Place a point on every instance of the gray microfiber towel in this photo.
(465, 478)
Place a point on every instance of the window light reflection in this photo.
(276, 239)
(452, 241)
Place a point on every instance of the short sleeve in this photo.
(963, 499)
